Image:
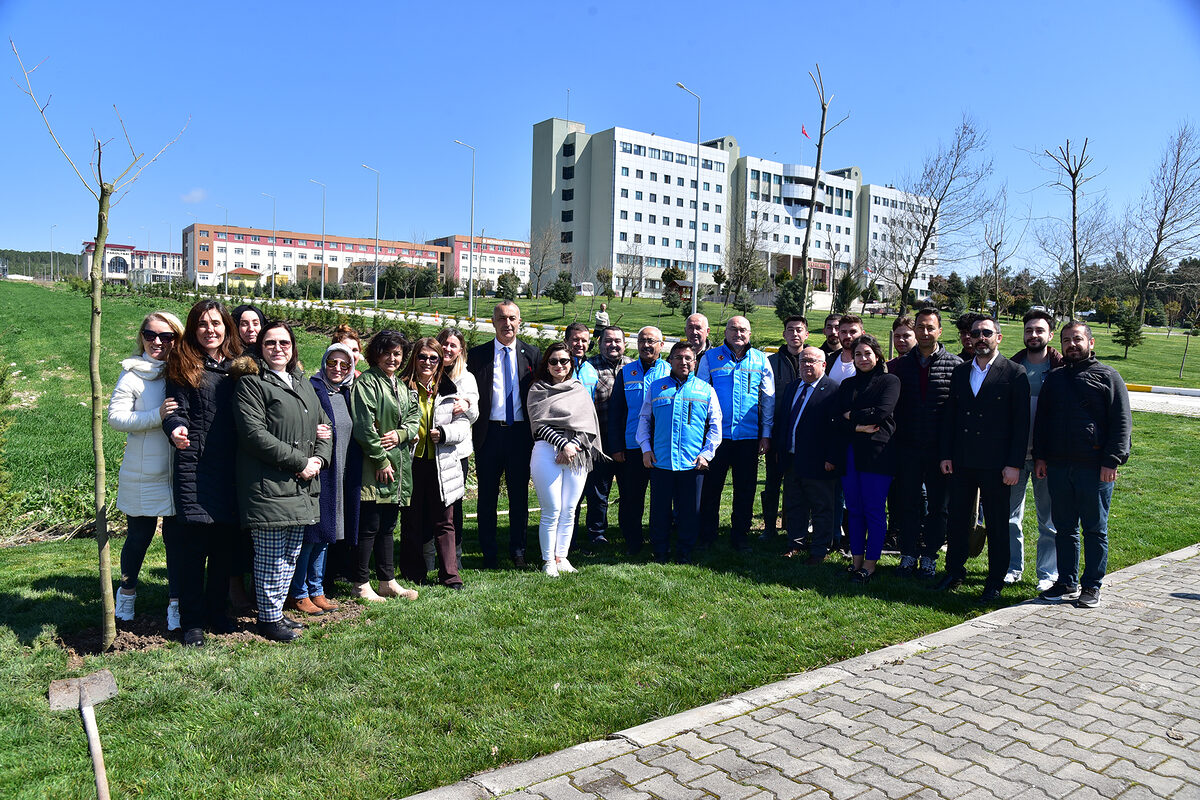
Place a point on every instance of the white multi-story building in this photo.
(888, 223)
(627, 201)
(214, 249)
(493, 258)
(126, 264)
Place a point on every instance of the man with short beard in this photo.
(840, 365)
(983, 443)
(1038, 358)
(832, 343)
(1080, 438)
(785, 368)
(607, 364)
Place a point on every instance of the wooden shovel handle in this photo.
(93, 736)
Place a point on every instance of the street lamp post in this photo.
(318, 183)
(226, 270)
(696, 243)
(52, 227)
(264, 194)
(471, 256)
(377, 176)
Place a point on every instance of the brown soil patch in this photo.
(149, 631)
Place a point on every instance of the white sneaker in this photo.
(124, 606)
(565, 566)
(173, 615)
(1045, 583)
(551, 569)
(1012, 577)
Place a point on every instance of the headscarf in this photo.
(337, 347)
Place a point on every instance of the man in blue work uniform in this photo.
(679, 430)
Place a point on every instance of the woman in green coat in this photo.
(283, 443)
(386, 417)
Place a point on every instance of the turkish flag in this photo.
(802, 130)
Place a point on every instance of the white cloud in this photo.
(196, 195)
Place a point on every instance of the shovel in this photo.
(83, 694)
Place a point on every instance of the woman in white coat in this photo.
(137, 407)
(454, 361)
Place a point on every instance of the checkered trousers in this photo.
(275, 552)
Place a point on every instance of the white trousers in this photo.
(559, 488)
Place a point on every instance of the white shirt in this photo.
(498, 386)
(841, 370)
(978, 374)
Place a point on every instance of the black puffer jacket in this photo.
(204, 483)
(1083, 416)
(918, 419)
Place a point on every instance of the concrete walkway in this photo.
(1032, 701)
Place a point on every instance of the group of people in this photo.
(255, 468)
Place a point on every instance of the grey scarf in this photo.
(567, 408)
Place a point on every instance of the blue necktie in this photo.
(509, 411)
(797, 407)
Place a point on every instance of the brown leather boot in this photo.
(323, 603)
(308, 607)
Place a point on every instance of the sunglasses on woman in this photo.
(166, 337)
(559, 362)
(334, 363)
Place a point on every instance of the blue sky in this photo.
(281, 93)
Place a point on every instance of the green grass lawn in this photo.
(414, 695)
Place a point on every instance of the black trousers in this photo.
(741, 458)
(203, 552)
(376, 523)
(770, 492)
(923, 517)
(810, 499)
(596, 490)
(993, 496)
(506, 450)
(632, 480)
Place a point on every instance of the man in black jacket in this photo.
(501, 436)
(984, 436)
(924, 374)
(803, 434)
(608, 362)
(785, 367)
(1081, 437)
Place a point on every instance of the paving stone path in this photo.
(1031, 701)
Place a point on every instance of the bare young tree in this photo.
(1164, 226)
(1055, 238)
(544, 246)
(938, 209)
(804, 275)
(1072, 175)
(1001, 241)
(103, 191)
(631, 269)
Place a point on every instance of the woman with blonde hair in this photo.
(137, 408)
(454, 352)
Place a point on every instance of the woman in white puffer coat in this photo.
(138, 407)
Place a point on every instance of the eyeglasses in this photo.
(982, 334)
(811, 361)
(282, 344)
(166, 337)
(431, 358)
(559, 362)
(337, 364)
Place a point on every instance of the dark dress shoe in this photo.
(194, 637)
(948, 583)
(990, 595)
(277, 632)
(518, 560)
(292, 624)
(861, 576)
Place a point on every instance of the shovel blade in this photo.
(72, 693)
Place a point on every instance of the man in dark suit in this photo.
(785, 368)
(802, 435)
(503, 442)
(984, 436)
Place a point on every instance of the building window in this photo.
(637, 195)
(568, 173)
(654, 176)
(716, 228)
(624, 215)
(650, 239)
(679, 243)
(568, 195)
(679, 202)
(653, 219)
(203, 248)
(667, 180)
(566, 258)
(654, 153)
(568, 149)
(640, 174)
(625, 193)
(255, 252)
(637, 238)
(717, 247)
(204, 234)
(204, 262)
(637, 216)
(704, 247)
(568, 216)
(237, 251)
(653, 197)
(626, 147)
(623, 236)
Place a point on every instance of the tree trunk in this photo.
(805, 275)
(108, 620)
(1186, 341)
